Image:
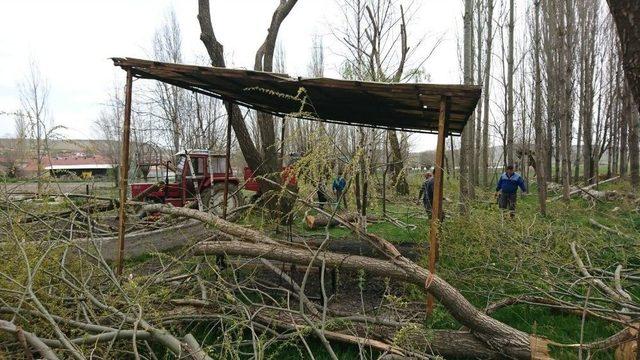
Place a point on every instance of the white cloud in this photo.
(73, 39)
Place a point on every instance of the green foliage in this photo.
(486, 256)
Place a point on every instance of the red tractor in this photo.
(197, 172)
(201, 172)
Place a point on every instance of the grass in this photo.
(488, 258)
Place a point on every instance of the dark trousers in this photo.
(428, 206)
(507, 201)
(322, 199)
(341, 194)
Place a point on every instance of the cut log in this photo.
(446, 343)
(318, 221)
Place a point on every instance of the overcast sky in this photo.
(72, 41)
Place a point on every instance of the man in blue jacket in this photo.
(338, 187)
(507, 190)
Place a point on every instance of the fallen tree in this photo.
(495, 334)
(579, 190)
(222, 299)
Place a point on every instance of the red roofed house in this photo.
(79, 164)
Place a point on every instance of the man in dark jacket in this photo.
(507, 189)
(338, 187)
(426, 193)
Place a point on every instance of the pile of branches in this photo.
(62, 300)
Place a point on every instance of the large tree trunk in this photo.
(499, 336)
(550, 96)
(623, 141)
(509, 119)
(541, 156)
(481, 175)
(486, 95)
(263, 164)
(626, 15)
(563, 23)
(466, 146)
(588, 21)
(216, 54)
(264, 62)
(634, 158)
(397, 164)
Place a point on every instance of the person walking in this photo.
(426, 193)
(338, 187)
(507, 189)
(322, 194)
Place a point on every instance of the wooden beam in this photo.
(124, 170)
(436, 211)
(227, 165)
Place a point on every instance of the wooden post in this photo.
(283, 129)
(227, 164)
(124, 170)
(436, 211)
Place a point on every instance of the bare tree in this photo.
(263, 163)
(588, 22)
(169, 100)
(479, 73)
(34, 98)
(509, 106)
(487, 94)
(541, 157)
(625, 15)
(466, 185)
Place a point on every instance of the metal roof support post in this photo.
(124, 170)
(283, 130)
(436, 211)
(227, 163)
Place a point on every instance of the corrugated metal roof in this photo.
(412, 107)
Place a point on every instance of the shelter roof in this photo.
(401, 106)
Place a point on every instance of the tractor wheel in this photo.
(213, 200)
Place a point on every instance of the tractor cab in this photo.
(197, 173)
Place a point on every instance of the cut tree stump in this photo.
(318, 221)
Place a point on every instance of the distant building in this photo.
(77, 164)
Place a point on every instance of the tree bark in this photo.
(624, 138)
(216, 54)
(497, 335)
(466, 146)
(509, 119)
(626, 15)
(263, 164)
(397, 165)
(486, 95)
(588, 21)
(501, 337)
(481, 175)
(264, 62)
(541, 156)
(634, 158)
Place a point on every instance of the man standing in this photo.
(507, 189)
(322, 194)
(426, 192)
(338, 186)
